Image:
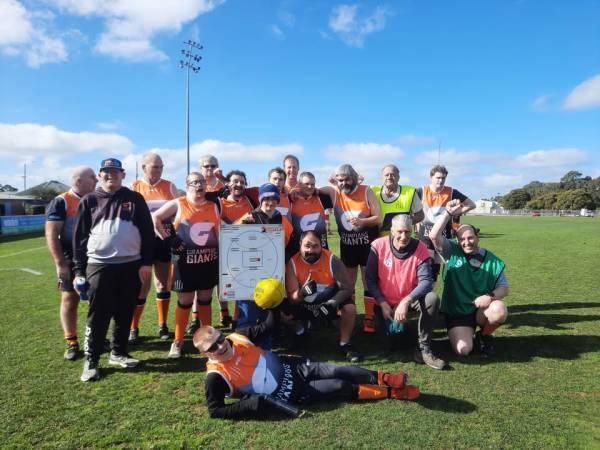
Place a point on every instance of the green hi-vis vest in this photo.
(462, 284)
(401, 205)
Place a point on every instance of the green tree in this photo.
(575, 199)
(42, 193)
(515, 199)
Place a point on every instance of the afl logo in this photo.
(309, 221)
(458, 263)
(346, 216)
(200, 232)
(387, 262)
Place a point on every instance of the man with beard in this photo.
(474, 285)
(357, 214)
(236, 204)
(156, 191)
(60, 219)
(396, 199)
(399, 277)
(113, 243)
(317, 283)
(196, 245)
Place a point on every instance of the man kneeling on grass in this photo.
(474, 286)
(266, 381)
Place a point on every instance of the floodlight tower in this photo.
(190, 61)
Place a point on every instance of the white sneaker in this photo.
(123, 360)
(176, 350)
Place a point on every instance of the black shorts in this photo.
(192, 277)
(162, 251)
(67, 285)
(353, 256)
(460, 320)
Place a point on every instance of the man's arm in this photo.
(372, 282)
(440, 242)
(466, 203)
(340, 274)
(143, 221)
(163, 213)
(416, 210)
(81, 234)
(292, 287)
(53, 230)
(263, 329)
(215, 390)
(375, 218)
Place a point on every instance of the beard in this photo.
(311, 258)
(347, 188)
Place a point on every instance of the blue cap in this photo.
(268, 190)
(111, 163)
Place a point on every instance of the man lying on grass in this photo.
(265, 381)
(474, 286)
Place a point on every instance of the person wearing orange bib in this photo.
(195, 245)
(291, 166)
(317, 283)
(399, 276)
(268, 382)
(156, 191)
(434, 198)
(60, 219)
(357, 214)
(209, 168)
(236, 204)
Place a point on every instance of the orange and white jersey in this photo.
(251, 370)
(232, 210)
(284, 204)
(156, 194)
(309, 215)
(198, 226)
(434, 204)
(216, 187)
(321, 271)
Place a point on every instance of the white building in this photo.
(487, 207)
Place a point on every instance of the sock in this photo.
(372, 392)
(195, 315)
(488, 328)
(137, 314)
(71, 337)
(182, 313)
(369, 312)
(163, 301)
(205, 313)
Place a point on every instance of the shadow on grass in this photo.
(19, 237)
(445, 404)
(550, 306)
(490, 235)
(549, 321)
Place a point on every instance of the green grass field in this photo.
(542, 390)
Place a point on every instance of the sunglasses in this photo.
(210, 166)
(215, 345)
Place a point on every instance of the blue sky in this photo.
(501, 92)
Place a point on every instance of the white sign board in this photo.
(248, 254)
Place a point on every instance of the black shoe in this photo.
(163, 332)
(226, 321)
(192, 327)
(427, 357)
(72, 352)
(350, 353)
(485, 344)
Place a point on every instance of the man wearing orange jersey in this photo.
(156, 191)
(316, 281)
(209, 168)
(357, 214)
(434, 198)
(236, 204)
(291, 166)
(196, 246)
(60, 218)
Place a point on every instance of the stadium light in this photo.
(190, 61)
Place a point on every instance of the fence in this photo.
(11, 225)
(545, 212)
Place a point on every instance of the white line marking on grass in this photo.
(23, 251)
(24, 269)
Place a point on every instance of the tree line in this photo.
(573, 191)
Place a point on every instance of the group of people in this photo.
(105, 241)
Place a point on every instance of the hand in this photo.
(453, 207)
(247, 218)
(176, 244)
(386, 310)
(159, 229)
(63, 271)
(357, 222)
(483, 301)
(327, 310)
(145, 274)
(401, 313)
(218, 173)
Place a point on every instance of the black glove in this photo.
(327, 311)
(174, 241)
(309, 288)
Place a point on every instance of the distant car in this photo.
(586, 213)
(536, 214)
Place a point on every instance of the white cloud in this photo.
(109, 125)
(586, 95)
(414, 140)
(364, 151)
(30, 140)
(502, 180)
(130, 25)
(352, 29)
(540, 103)
(560, 157)
(236, 151)
(24, 34)
(277, 31)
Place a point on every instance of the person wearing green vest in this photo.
(395, 199)
(474, 286)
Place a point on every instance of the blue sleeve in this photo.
(57, 210)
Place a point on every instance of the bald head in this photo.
(152, 167)
(83, 180)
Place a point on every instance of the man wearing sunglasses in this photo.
(236, 367)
